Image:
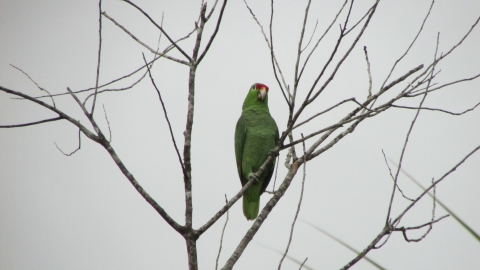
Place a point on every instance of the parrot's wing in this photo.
(240, 134)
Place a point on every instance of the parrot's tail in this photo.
(250, 207)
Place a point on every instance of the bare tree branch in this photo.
(449, 211)
(233, 200)
(177, 227)
(395, 180)
(212, 10)
(359, 21)
(309, 99)
(214, 32)
(416, 93)
(33, 123)
(163, 54)
(324, 111)
(386, 231)
(125, 76)
(85, 131)
(429, 224)
(275, 62)
(369, 73)
(320, 39)
(102, 141)
(263, 214)
(161, 29)
(299, 54)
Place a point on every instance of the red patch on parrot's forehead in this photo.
(260, 86)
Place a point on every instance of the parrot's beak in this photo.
(262, 93)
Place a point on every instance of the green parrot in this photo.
(256, 134)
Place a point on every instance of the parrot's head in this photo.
(257, 96)
(261, 90)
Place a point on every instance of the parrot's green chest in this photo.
(261, 136)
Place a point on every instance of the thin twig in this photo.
(161, 29)
(38, 86)
(411, 44)
(102, 141)
(369, 73)
(320, 39)
(125, 76)
(299, 54)
(274, 59)
(108, 124)
(221, 237)
(416, 93)
(61, 114)
(454, 168)
(345, 120)
(166, 117)
(275, 178)
(114, 89)
(311, 37)
(211, 11)
(214, 32)
(98, 56)
(33, 123)
(386, 231)
(232, 201)
(263, 214)
(74, 151)
(359, 21)
(303, 263)
(393, 178)
(298, 208)
(322, 112)
(142, 43)
(408, 136)
(429, 224)
(292, 259)
(309, 99)
(438, 110)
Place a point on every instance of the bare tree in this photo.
(300, 95)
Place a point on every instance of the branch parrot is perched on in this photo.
(256, 134)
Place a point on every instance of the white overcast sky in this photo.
(80, 212)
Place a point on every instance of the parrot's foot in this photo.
(273, 153)
(254, 176)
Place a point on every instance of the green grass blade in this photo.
(288, 257)
(344, 244)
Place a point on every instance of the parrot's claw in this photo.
(254, 176)
(273, 153)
